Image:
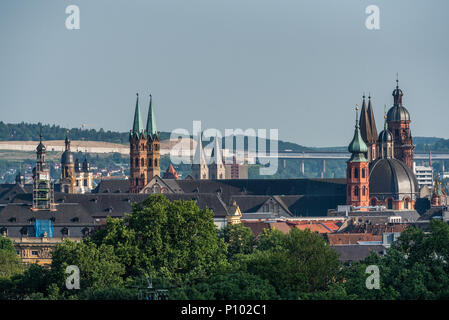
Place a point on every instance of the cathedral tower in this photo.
(368, 129)
(138, 153)
(398, 119)
(153, 144)
(357, 174)
(67, 169)
(217, 167)
(200, 169)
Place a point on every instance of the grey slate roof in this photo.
(356, 252)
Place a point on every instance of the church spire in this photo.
(151, 121)
(137, 124)
(372, 121)
(365, 125)
(357, 147)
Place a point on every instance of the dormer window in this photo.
(12, 219)
(75, 219)
(65, 232)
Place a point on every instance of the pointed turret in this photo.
(365, 125)
(357, 147)
(151, 121)
(199, 157)
(357, 171)
(372, 121)
(200, 169)
(137, 124)
(216, 156)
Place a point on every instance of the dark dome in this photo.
(398, 113)
(67, 157)
(385, 136)
(392, 177)
(41, 147)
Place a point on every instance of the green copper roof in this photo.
(137, 125)
(151, 121)
(357, 146)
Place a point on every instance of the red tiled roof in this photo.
(313, 227)
(351, 238)
(281, 226)
(256, 227)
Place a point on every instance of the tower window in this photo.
(150, 162)
(356, 173)
(155, 162)
(356, 191)
(137, 162)
(363, 173)
(143, 162)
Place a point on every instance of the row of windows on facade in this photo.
(142, 147)
(142, 161)
(26, 231)
(355, 172)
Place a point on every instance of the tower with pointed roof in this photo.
(200, 168)
(357, 172)
(398, 119)
(42, 186)
(153, 145)
(216, 167)
(67, 181)
(368, 129)
(138, 153)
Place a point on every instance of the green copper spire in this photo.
(137, 125)
(357, 146)
(151, 121)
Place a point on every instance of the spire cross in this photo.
(397, 80)
(356, 115)
(385, 116)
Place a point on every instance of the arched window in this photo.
(363, 173)
(150, 162)
(406, 203)
(356, 191)
(356, 173)
(143, 162)
(390, 203)
(155, 162)
(373, 202)
(137, 162)
(137, 181)
(364, 191)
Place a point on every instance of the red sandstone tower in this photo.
(357, 172)
(138, 153)
(398, 119)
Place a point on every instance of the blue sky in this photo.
(295, 65)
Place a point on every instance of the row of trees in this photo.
(177, 246)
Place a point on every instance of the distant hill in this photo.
(30, 132)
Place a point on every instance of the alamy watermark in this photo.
(373, 280)
(73, 280)
(255, 149)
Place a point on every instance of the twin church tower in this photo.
(144, 149)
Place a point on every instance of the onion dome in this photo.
(398, 112)
(385, 135)
(67, 155)
(357, 146)
(41, 147)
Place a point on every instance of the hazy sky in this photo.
(295, 65)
